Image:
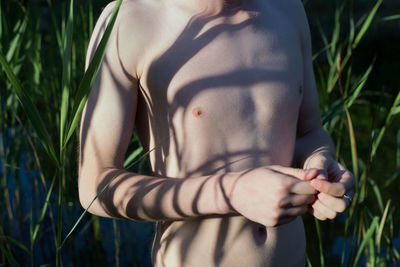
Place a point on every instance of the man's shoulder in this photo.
(133, 29)
(295, 12)
(135, 16)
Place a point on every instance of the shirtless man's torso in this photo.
(214, 88)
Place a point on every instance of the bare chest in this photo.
(227, 83)
(244, 63)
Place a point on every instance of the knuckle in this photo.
(284, 185)
(342, 206)
(332, 215)
(281, 202)
(310, 199)
(303, 210)
(271, 222)
(341, 190)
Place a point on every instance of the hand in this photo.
(272, 196)
(333, 182)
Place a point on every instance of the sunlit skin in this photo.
(223, 95)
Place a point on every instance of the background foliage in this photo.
(42, 50)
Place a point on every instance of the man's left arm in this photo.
(314, 147)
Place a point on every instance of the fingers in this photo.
(321, 212)
(346, 177)
(320, 162)
(294, 200)
(335, 189)
(334, 203)
(302, 188)
(295, 211)
(295, 172)
(328, 207)
(287, 215)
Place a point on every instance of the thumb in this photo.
(320, 164)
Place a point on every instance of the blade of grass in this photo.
(17, 243)
(377, 192)
(393, 17)
(367, 24)
(321, 250)
(66, 73)
(56, 30)
(89, 76)
(391, 113)
(359, 86)
(382, 224)
(391, 179)
(368, 235)
(132, 156)
(43, 212)
(31, 111)
(16, 41)
(398, 150)
(10, 258)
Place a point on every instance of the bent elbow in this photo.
(87, 196)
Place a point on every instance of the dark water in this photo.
(134, 238)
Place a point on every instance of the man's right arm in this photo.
(269, 196)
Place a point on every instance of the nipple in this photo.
(197, 112)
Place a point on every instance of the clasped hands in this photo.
(276, 195)
(334, 184)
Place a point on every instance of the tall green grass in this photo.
(44, 88)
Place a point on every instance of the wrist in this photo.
(225, 184)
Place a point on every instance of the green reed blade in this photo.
(132, 156)
(90, 74)
(17, 243)
(116, 242)
(391, 113)
(17, 39)
(377, 192)
(1, 22)
(90, 16)
(326, 43)
(11, 260)
(333, 111)
(66, 73)
(56, 30)
(393, 17)
(43, 212)
(391, 179)
(352, 29)
(398, 150)
(353, 144)
(336, 31)
(308, 261)
(382, 224)
(321, 250)
(359, 85)
(367, 237)
(367, 23)
(30, 110)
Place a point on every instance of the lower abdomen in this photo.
(228, 241)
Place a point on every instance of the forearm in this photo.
(311, 144)
(148, 198)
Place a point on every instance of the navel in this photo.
(300, 89)
(260, 234)
(197, 112)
